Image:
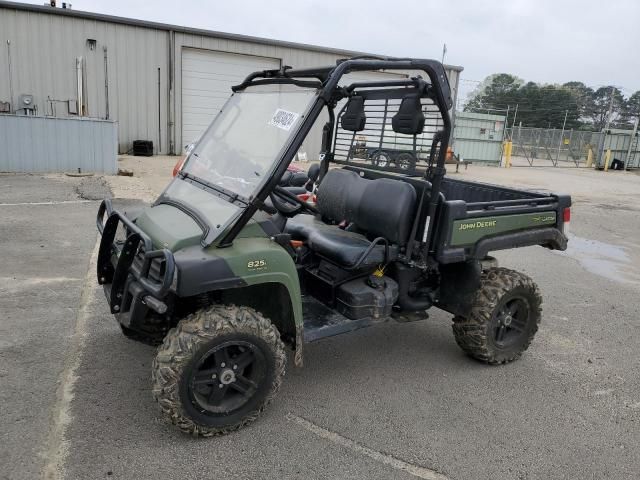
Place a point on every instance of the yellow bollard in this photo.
(508, 146)
(607, 157)
(590, 158)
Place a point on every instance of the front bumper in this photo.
(134, 275)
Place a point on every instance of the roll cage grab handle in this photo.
(326, 80)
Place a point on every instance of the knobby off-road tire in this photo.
(504, 317)
(229, 347)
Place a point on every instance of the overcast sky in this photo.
(545, 41)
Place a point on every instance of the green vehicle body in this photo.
(472, 230)
(257, 268)
(253, 258)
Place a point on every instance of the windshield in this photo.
(240, 148)
(237, 154)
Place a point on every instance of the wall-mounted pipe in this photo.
(171, 105)
(79, 86)
(159, 147)
(10, 73)
(106, 83)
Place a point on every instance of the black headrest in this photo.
(354, 119)
(409, 120)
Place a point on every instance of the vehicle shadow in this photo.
(380, 385)
(114, 384)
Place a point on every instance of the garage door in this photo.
(207, 78)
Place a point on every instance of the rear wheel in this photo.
(218, 369)
(504, 318)
(405, 161)
(381, 159)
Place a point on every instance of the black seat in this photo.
(372, 208)
(354, 118)
(340, 246)
(410, 119)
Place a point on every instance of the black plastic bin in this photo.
(143, 148)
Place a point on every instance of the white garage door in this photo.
(207, 78)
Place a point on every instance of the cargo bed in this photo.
(474, 219)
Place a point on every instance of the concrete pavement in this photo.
(393, 401)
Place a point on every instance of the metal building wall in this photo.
(288, 56)
(618, 141)
(478, 136)
(47, 144)
(44, 48)
(45, 42)
(295, 57)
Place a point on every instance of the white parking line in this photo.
(62, 202)
(57, 445)
(391, 461)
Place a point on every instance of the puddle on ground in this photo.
(603, 259)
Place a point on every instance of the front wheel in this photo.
(218, 370)
(504, 317)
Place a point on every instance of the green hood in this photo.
(169, 227)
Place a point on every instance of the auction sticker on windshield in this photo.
(283, 119)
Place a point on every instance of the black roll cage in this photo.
(326, 79)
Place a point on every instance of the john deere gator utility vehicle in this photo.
(228, 268)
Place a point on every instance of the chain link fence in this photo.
(554, 147)
(564, 148)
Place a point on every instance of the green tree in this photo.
(584, 98)
(601, 104)
(546, 105)
(499, 86)
(632, 110)
(538, 106)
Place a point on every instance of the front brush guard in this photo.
(114, 260)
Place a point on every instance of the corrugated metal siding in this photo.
(298, 58)
(44, 48)
(618, 141)
(46, 144)
(478, 137)
(207, 78)
(287, 56)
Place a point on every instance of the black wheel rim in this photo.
(404, 161)
(227, 376)
(510, 322)
(381, 159)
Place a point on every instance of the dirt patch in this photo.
(93, 188)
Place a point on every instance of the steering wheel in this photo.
(288, 204)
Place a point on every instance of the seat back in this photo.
(354, 118)
(381, 207)
(410, 118)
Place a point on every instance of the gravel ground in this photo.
(393, 401)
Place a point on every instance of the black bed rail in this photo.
(495, 204)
